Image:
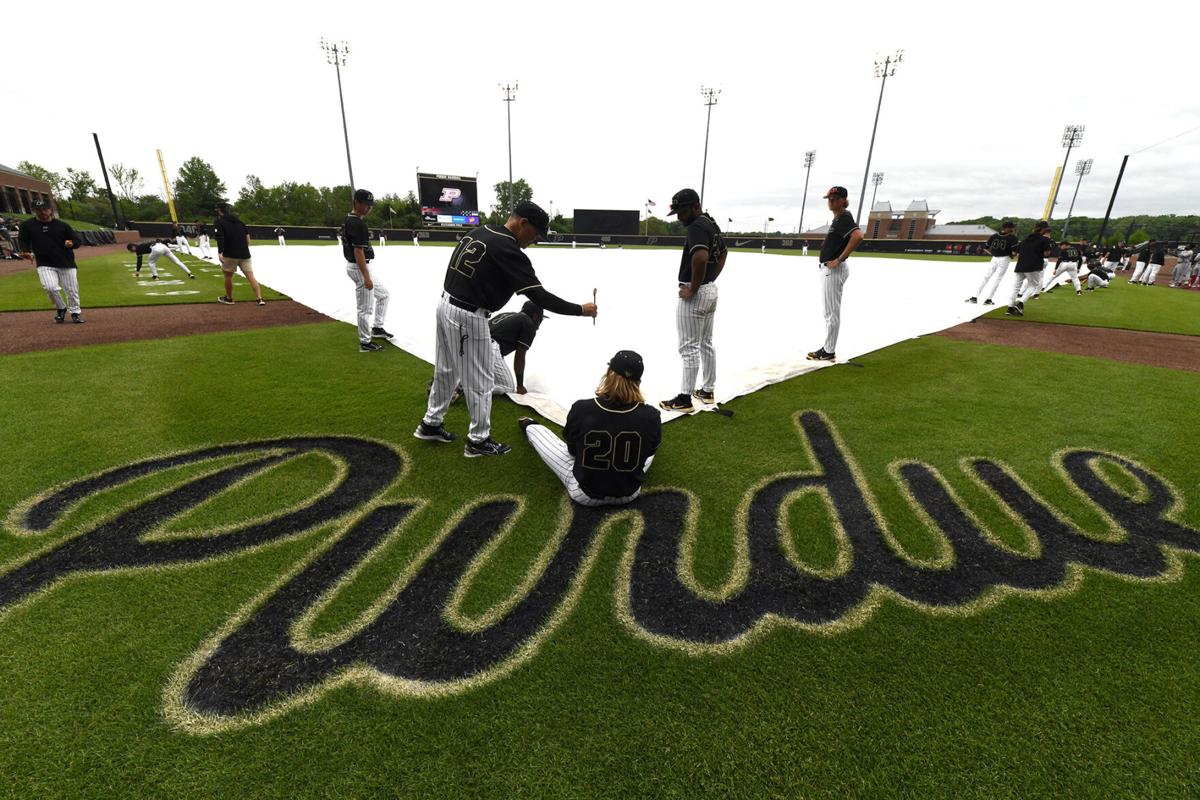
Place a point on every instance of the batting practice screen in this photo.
(447, 199)
(605, 220)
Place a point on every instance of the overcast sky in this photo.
(609, 112)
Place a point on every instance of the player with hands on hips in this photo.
(842, 238)
(611, 438)
(486, 269)
(51, 244)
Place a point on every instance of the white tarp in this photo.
(769, 314)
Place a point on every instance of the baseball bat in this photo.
(593, 303)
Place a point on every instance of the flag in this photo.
(650, 203)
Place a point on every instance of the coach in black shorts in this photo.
(487, 268)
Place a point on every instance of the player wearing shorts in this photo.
(233, 247)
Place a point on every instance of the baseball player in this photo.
(279, 232)
(704, 254)
(1112, 259)
(486, 268)
(841, 240)
(180, 238)
(1195, 280)
(233, 248)
(1158, 257)
(513, 332)
(1098, 277)
(1070, 256)
(202, 240)
(1002, 246)
(1031, 260)
(51, 244)
(610, 442)
(156, 250)
(1183, 265)
(356, 247)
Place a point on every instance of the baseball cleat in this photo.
(77, 319)
(525, 422)
(379, 333)
(680, 402)
(1078, 293)
(153, 277)
(487, 447)
(704, 397)
(988, 303)
(431, 433)
(821, 355)
(60, 315)
(225, 300)
(262, 302)
(1013, 311)
(972, 300)
(1021, 305)
(192, 275)
(368, 347)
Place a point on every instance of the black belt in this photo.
(454, 301)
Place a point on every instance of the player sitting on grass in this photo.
(610, 438)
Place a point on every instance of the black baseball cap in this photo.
(40, 203)
(684, 198)
(627, 364)
(1008, 223)
(532, 308)
(364, 197)
(836, 191)
(537, 217)
(1040, 225)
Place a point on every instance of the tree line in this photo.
(1131, 230)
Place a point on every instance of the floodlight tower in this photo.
(710, 96)
(809, 157)
(1072, 137)
(876, 179)
(510, 95)
(336, 53)
(883, 69)
(1081, 168)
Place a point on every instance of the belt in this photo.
(454, 301)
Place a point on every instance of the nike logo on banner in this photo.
(742, 244)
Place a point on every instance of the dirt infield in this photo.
(26, 331)
(1170, 350)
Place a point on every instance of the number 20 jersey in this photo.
(611, 444)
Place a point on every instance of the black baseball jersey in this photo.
(611, 445)
(1070, 252)
(356, 235)
(1033, 252)
(1002, 244)
(488, 267)
(279, 231)
(1158, 255)
(837, 236)
(231, 237)
(143, 248)
(512, 329)
(176, 231)
(702, 232)
(47, 241)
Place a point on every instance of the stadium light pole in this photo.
(1081, 168)
(336, 53)
(710, 99)
(809, 157)
(876, 179)
(1072, 137)
(510, 94)
(883, 69)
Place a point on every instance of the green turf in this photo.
(1159, 309)
(1088, 695)
(108, 280)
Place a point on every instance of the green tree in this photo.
(80, 185)
(507, 197)
(1138, 237)
(197, 189)
(561, 224)
(56, 181)
(128, 180)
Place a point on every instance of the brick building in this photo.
(18, 191)
(917, 222)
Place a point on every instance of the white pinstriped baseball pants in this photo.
(502, 376)
(1137, 271)
(997, 270)
(205, 252)
(182, 243)
(1031, 280)
(694, 324)
(833, 281)
(160, 250)
(553, 451)
(462, 356)
(1151, 273)
(363, 298)
(1069, 268)
(57, 279)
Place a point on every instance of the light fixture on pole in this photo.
(1081, 168)
(336, 53)
(1072, 137)
(883, 69)
(510, 94)
(876, 179)
(710, 99)
(809, 157)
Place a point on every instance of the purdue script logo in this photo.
(417, 641)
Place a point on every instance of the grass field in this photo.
(1159, 309)
(108, 280)
(1088, 690)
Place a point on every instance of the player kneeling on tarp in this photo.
(610, 438)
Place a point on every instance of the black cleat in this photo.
(704, 397)
(380, 333)
(192, 275)
(433, 434)
(368, 347)
(988, 303)
(487, 447)
(821, 355)
(1013, 311)
(680, 402)
(77, 319)
(262, 302)
(228, 301)
(60, 316)
(972, 300)
(525, 422)
(1021, 305)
